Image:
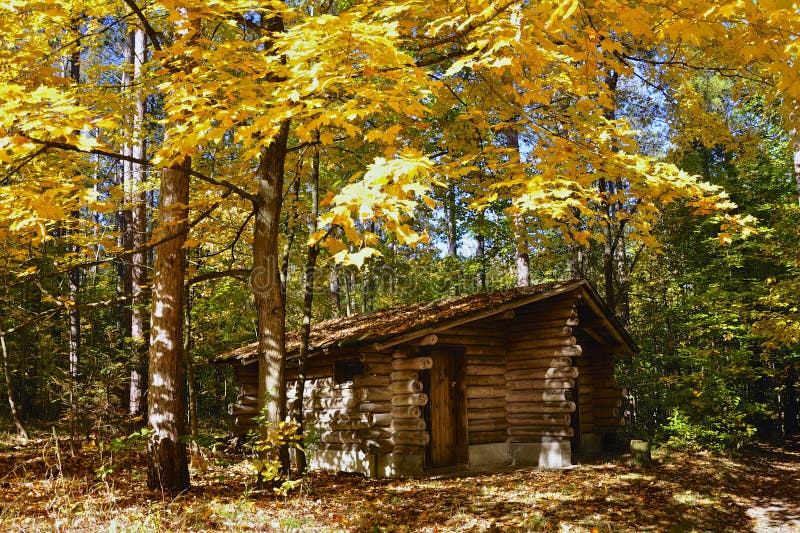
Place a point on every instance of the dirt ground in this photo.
(48, 485)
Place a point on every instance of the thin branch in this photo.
(237, 273)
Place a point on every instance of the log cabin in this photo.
(521, 376)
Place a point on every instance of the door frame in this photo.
(459, 396)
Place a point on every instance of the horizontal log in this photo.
(540, 344)
(404, 352)
(375, 407)
(537, 438)
(416, 363)
(337, 446)
(409, 399)
(541, 384)
(485, 403)
(406, 387)
(540, 333)
(406, 411)
(480, 350)
(375, 357)
(408, 449)
(381, 369)
(330, 403)
(408, 424)
(533, 318)
(545, 353)
(346, 425)
(334, 414)
(540, 363)
(377, 445)
(465, 340)
(486, 414)
(341, 437)
(417, 438)
(483, 381)
(427, 340)
(487, 425)
(376, 394)
(486, 437)
(404, 375)
(374, 433)
(541, 407)
(485, 392)
(545, 373)
(533, 396)
(499, 359)
(380, 419)
(541, 430)
(485, 370)
(538, 419)
(514, 329)
(371, 381)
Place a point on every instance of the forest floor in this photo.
(47, 485)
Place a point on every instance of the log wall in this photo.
(352, 415)
(540, 372)
(484, 359)
(246, 407)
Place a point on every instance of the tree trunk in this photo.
(266, 278)
(336, 296)
(308, 299)
(138, 230)
(167, 466)
(74, 278)
(292, 224)
(480, 249)
(10, 391)
(452, 227)
(791, 424)
(797, 167)
(191, 382)
(521, 256)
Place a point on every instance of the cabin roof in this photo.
(396, 325)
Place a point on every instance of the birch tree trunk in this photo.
(138, 231)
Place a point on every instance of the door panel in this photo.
(443, 409)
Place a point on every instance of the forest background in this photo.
(180, 178)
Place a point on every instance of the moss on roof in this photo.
(390, 323)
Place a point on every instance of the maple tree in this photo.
(515, 107)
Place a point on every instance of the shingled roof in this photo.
(408, 321)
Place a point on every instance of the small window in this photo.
(344, 371)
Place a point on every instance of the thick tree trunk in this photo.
(10, 391)
(167, 466)
(138, 231)
(265, 279)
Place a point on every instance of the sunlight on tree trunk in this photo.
(167, 464)
(10, 391)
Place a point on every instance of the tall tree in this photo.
(168, 468)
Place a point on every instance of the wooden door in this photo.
(444, 410)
